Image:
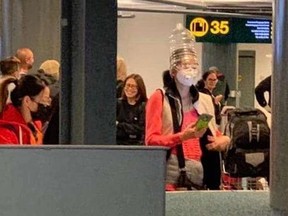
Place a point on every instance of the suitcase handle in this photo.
(248, 111)
(251, 112)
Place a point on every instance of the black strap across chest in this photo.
(177, 128)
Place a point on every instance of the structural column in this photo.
(5, 26)
(88, 101)
(279, 135)
(228, 68)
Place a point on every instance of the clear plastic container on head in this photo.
(182, 46)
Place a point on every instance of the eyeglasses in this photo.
(132, 86)
(182, 65)
(212, 80)
(45, 102)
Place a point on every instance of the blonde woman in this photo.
(121, 75)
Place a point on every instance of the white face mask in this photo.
(187, 77)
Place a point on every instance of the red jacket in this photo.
(14, 130)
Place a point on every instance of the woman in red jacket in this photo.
(21, 120)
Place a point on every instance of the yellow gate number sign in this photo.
(200, 27)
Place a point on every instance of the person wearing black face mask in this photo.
(42, 113)
(19, 122)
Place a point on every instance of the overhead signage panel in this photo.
(229, 30)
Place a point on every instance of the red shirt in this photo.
(154, 121)
(191, 147)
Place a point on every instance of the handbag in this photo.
(183, 182)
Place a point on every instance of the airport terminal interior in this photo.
(244, 39)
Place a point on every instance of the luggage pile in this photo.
(248, 155)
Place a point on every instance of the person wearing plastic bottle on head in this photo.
(188, 104)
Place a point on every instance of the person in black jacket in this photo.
(209, 80)
(50, 69)
(130, 119)
(51, 136)
(222, 87)
(261, 88)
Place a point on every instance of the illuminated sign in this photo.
(229, 30)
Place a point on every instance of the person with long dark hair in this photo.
(21, 120)
(131, 112)
(209, 79)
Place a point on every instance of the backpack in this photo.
(248, 155)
